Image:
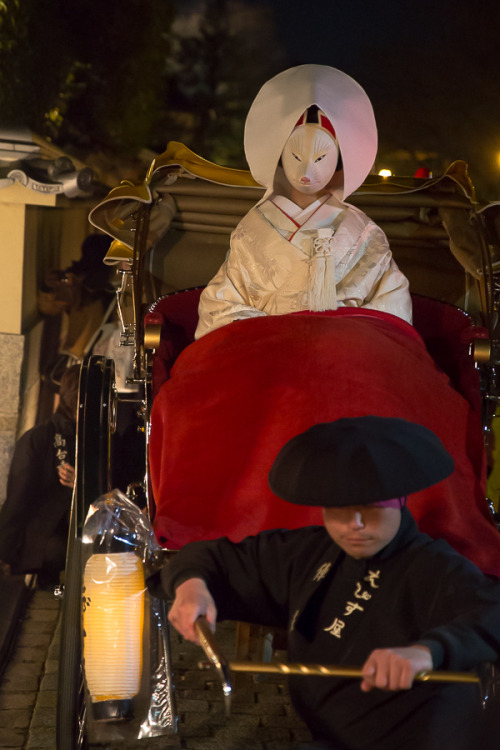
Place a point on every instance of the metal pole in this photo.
(224, 667)
(334, 670)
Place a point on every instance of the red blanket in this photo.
(238, 394)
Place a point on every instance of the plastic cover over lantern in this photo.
(124, 629)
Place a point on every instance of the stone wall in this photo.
(11, 360)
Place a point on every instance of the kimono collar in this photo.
(287, 218)
(334, 561)
(295, 212)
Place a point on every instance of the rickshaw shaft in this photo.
(321, 670)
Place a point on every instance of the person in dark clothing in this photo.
(366, 589)
(34, 518)
(74, 303)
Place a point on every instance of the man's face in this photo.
(362, 530)
(309, 158)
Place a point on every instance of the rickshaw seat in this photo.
(197, 497)
(448, 333)
(177, 313)
(446, 330)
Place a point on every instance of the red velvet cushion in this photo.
(239, 393)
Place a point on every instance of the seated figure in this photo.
(310, 139)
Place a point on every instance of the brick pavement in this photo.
(261, 716)
(32, 670)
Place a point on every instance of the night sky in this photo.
(355, 34)
(430, 67)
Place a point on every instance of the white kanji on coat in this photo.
(322, 571)
(360, 594)
(335, 628)
(351, 607)
(294, 620)
(373, 575)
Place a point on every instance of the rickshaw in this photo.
(171, 233)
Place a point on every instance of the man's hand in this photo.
(66, 474)
(395, 668)
(192, 599)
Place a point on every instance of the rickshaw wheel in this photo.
(71, 732)
(93, 459)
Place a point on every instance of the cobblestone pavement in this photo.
(261, 716)
(29, 683)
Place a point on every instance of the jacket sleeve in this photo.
(249, 581)
(465, 627)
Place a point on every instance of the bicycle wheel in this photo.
(93, 459)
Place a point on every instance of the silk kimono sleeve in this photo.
(224, 300)
(375, 282)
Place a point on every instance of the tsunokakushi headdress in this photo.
(280, 106)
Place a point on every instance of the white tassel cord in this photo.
(322, 284)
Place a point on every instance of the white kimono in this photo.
(284, 259)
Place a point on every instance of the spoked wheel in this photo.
(93, 460)
(71, 720)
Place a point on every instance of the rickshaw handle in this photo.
(224, 667)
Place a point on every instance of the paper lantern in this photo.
(113, 620)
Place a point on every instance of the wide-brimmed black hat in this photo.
(358, 461)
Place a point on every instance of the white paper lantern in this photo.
(113, 621)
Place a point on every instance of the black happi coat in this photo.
(35, 513)
(338, 609)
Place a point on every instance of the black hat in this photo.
(358, 461)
